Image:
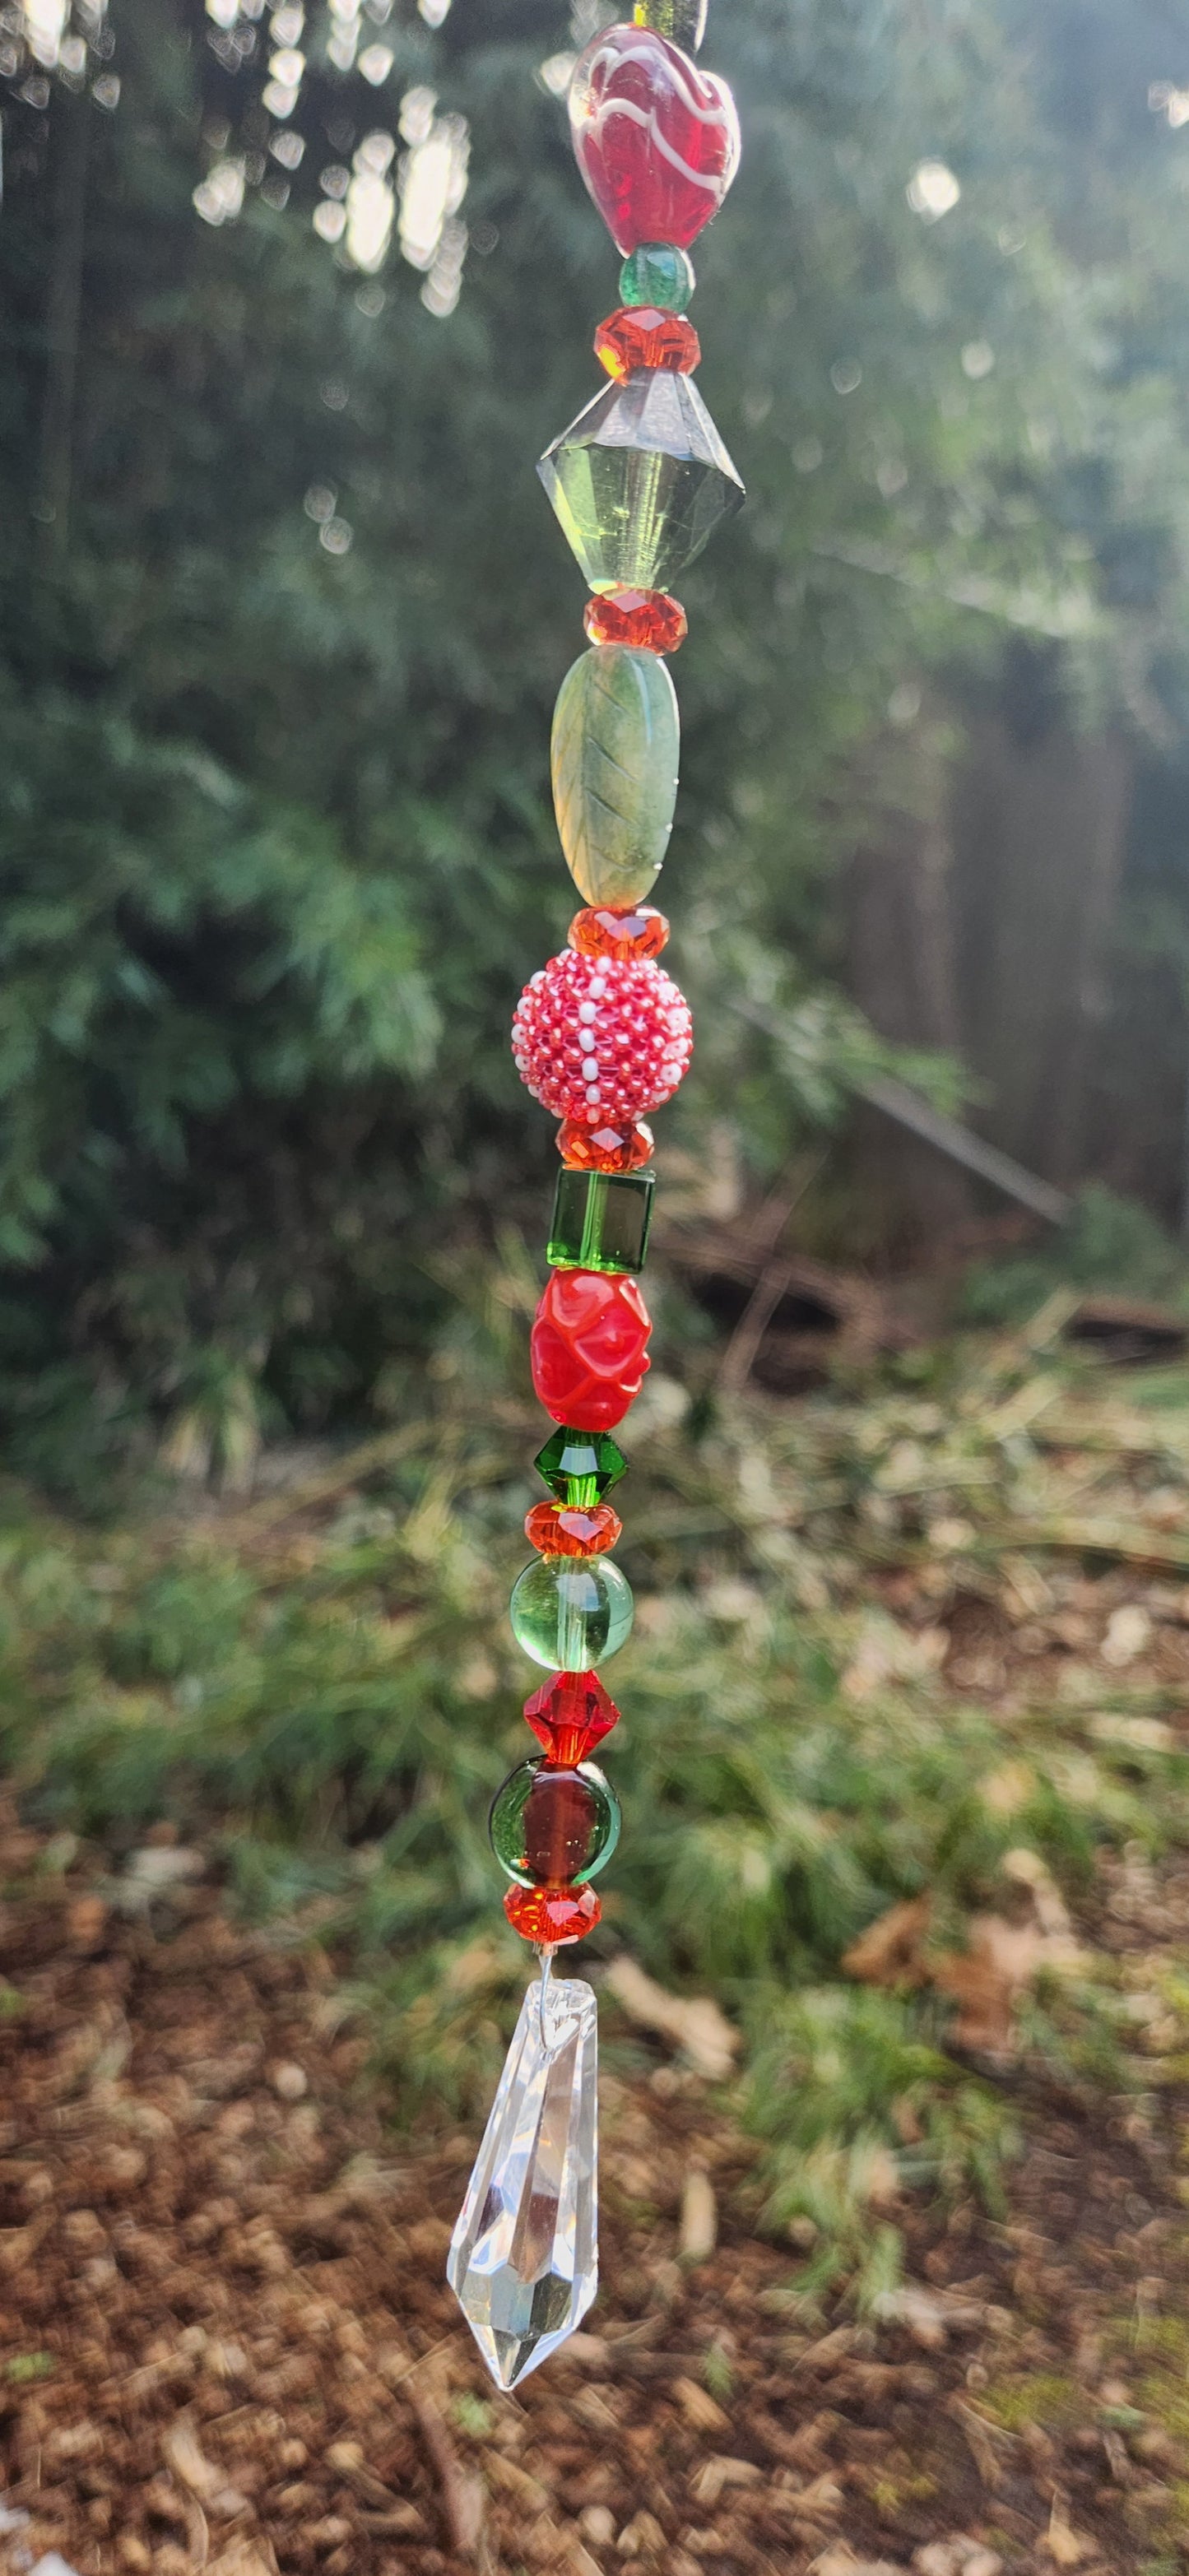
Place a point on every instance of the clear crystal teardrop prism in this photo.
(524, 2257)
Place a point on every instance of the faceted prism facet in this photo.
(640, 482)
(524, 2257)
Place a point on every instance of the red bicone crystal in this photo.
(598, 931)
(602, 1039)
(648, 618)
(551, 1916)
(569, 1715)
(644, 335)
(604, 1149)
(570, 1529)
(656, 140)
(590, 1347)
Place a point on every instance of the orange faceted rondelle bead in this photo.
(572, 1529)
(604, 1149)
(645, 618)
(552, 1915)
(643, 335)
(598, 931)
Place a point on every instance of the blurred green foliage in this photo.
(275, 845)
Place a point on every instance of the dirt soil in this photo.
(225, 2339)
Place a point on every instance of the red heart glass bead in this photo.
(569, 1715)
(647, 618)
(599, 931)
(644, 336)
(604, 1149)
(602, 1039)
(551, 1916)
(564, 1529)
(590, 1347)
(656, 140)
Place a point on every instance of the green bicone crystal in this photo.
(640, 481)
(570, 1612)
(657, 273)
(580, 1466)
(601, 1220)
(554, 1827)
(614, 755)
(682, 21)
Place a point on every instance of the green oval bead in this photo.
(614, 754)
(657, 273)
(551, 1827)
(570, 1612)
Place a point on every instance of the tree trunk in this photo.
(71, 145)
(1040, 832)
(901, 960)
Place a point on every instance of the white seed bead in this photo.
(597, 987)
(593, 1094)
(590, 1068)
(586, 1013)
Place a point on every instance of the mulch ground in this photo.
(225, 2338)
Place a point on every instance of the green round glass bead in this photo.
(569, 1613)
(657, 273)
(551, 1827)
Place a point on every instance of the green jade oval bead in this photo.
(614, 756)
(657, 273)
(551, 1827)
(569, 1613)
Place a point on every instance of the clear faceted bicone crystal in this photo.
(524, 2257)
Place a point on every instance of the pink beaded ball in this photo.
(598, 1038)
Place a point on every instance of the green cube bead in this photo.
(601, 1220)
(657, 273)
(580, 1466)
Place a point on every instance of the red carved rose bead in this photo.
(589, 1347)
